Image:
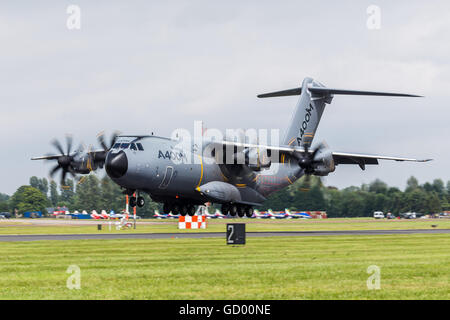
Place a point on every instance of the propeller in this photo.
(100, 158)
(64, 160)
(307, 161)
(101, 140)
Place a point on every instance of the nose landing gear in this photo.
(139, 201)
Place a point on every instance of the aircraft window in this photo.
(124, 145)
(140, 147)
(133, 146)
(116, 146)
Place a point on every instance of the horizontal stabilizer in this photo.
(330, 91)
(283, 93)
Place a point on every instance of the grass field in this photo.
(52, 226)
(325, 267)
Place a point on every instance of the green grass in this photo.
(328, 267)
(169, 226)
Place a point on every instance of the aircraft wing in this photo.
(338, 157)
(364, 159)
(95, 154)
(49, 157)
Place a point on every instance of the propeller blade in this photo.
(101, 140)
(58, 146)
(69, 141)
(72, 172)
(63, 177)
(56, 168)
(113, 138)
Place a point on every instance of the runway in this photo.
(115, 236)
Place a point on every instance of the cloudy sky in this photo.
(159, 65)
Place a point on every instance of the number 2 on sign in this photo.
(231, 229)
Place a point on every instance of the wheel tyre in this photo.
(240, 211)
(184, 210)
(233, 210)
(140, 202)
(166, 208)
(225, 209)
(132, 202)
(176, 209)
(249, 212)
(191, 210)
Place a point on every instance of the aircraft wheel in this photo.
(176, 210)
(166, 208)
(191, 210)
(225, 209)
(240, 211)
(249, 212)
(233, 210)
(133, 202)
(140, 202)
(184, 210)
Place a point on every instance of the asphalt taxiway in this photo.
(115, 236)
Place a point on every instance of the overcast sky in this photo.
(146, 66)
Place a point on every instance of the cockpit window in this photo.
(140, 147)
(116, 146)
(133, 146)
(124, 145)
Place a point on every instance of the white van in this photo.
(378, 215)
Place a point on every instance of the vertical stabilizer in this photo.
(306, 116)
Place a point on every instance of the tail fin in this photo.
(310, 106)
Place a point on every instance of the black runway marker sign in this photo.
(235, 233)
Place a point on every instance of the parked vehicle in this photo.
(378, 215)
(390, 216)
(408, 215)
(5, 215)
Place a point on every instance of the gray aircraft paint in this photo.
(306, 116)
(166, 171)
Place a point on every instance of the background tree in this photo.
(67, 197)
(378, 186)
(411, 184)
(4, 202)
(112, 196)
(41, 184)
(27, 198)
(54, 196)
(88, 194)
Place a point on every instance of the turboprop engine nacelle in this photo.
(324, 163)
(257, 159)
(84, 163)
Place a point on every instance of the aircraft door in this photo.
(167, 177)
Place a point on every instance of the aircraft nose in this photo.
(116, 165)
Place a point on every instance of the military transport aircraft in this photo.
(162, 167)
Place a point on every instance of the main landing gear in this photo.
(179, 208)
(237, 209)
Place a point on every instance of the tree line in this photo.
(364, 200)
(93, 193)
(90, 193)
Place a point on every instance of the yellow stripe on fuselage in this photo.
(201, 172)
